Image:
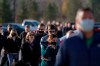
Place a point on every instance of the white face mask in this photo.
(87, 25)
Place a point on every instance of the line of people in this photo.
(31, 47)
(53, 45)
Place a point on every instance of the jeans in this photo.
(11, 57)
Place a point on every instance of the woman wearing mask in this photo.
(12, 46)
(49, 55)
(30, 50)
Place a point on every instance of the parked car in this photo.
(4, 29)
(32, 23)
(16, 26)
(97, 27)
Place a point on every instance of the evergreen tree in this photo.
(72, 7)
(33, 10)
(96, 9)
(51, 12)
(64, 8)
(24, 11)
(6, 12)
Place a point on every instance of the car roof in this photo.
(30, 20)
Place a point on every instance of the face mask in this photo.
(87, 25)
(41, 32)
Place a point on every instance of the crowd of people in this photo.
(53, 44)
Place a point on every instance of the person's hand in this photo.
(46, 59)
(53, 46)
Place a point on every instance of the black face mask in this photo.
(41, 32)
(14, 34)
(53, 43)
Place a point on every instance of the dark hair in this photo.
(83, 10)
(52, 27)
(27, 26)
(41, 24)
(86, 9)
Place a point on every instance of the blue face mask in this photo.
(87, 25)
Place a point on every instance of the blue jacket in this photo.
(75, 32)
(74, 52)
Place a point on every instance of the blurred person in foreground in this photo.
(24, 33)
(30, 50)
(12, 46)
(81, 50)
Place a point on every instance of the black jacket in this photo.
(23, 36)
(12, 46)
(30, 53)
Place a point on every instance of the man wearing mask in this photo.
(81, 50)
(52, 30)
(40, 32)
(23, 34)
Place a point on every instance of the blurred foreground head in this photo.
(85, 20)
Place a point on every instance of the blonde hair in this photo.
(11, 32)
(28, 34)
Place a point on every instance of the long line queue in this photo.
(53, 44)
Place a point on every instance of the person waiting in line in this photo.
(12, 46)
(40, 32)
(48, 57)
(30, 50)
(24, 33)
(2, 40)
(59, 28)
(9, 27)
(66, 28)
(51, 30)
